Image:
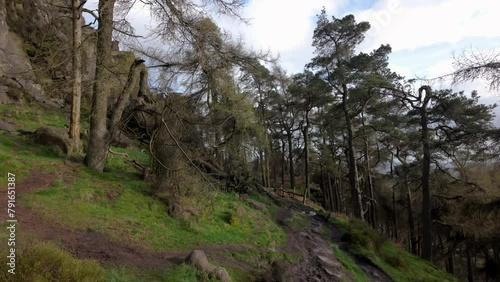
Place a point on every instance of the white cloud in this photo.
(422, 33)
(283, 27)
(286, 27)
(423, 23)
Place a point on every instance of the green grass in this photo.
(47, 262)
(399, 264)
(19, 155)
(118, 162)
(31, 117)
(238, 274)
(404, 266)
(186, 273)
(350, 265)
(118, 202)
(181, 273)
(259, 259)
(118, 205)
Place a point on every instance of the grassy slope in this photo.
(399, 264)
(117, 203)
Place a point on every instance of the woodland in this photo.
(419, 164)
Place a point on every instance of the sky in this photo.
(424, 34)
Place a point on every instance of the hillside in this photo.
(81, 225)
(183, 154)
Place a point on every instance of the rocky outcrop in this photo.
(17, 80)
(36, 49)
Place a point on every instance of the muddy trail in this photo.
(318, 262)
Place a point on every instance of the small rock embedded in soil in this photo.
(198, 259)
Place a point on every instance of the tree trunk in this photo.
(290, 159)
(74, 128)
(306, 148)
(333, 207)
(339, 189)
(324, 190)
(272, 161)
(283, 146)
(356, 199)
(373, 208)
(450, 265)
(99, 139)
(426, 194)
(262, 167)
(394, 213)
(137, 74)
(470, 269)
(411, 220)
(267, 159)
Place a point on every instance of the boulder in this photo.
(329, 266)
(53, 137)
(16, 75)
(6, 126)
(198, 259)
(221, 274)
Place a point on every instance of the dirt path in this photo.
(318, 262)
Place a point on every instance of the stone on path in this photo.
(198, 259)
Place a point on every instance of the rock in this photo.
(328, 265)
(303, 234)
(316, 230)
(16, 75)
(198, 259)
(6, 126)
(221, 274)
(53, 137)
